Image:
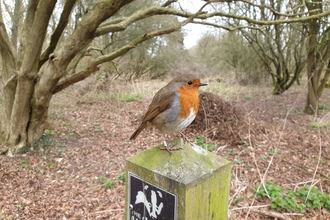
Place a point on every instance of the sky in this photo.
(193, 32)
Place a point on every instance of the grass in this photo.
(87, 91)
(101, 179)
(322, 106)
(122, 177)
(24, 165)
(320, 124)
(128, 97)
(109, 184)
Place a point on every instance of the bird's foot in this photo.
(170, 148)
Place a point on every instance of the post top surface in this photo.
(185, 166)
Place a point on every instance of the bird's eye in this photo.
(189, 83)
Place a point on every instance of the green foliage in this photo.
(102, 76)
(49, 132)
(7, 217)
(127, 98)
(101, 179)
(122, 177)
(24, 165)
(319, 125)
(239, 161)
(271, 151)
(51, 165)
(316, 199)
(109, 184)
(45, 144)
(200, 141)
(247, 97)
(322, 106)
(289, 200)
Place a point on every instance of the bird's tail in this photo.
(138, 131)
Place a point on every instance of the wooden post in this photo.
(188, 184)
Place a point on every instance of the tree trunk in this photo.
(41, 99)
(312, 100)
(31, 78)
(311, 106)
(29, 85)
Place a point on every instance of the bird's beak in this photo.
(202, 84)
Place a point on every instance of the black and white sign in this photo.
(149, 202)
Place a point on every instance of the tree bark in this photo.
(16, 19)
(16, 136)
(318, 53)
(9, 75)
(35, 86)
(31, 78)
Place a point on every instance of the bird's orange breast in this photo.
(188, 100)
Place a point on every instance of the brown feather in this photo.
(162, 101)
(138, 131)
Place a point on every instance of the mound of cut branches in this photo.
(217, 120)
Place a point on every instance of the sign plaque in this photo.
(149, 202)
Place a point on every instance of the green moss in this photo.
(190, 173)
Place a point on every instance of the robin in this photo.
(173, 108)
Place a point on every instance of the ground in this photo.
(76, 170)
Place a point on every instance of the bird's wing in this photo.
(159, 104)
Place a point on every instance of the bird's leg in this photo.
(185, 138)
(166, 147)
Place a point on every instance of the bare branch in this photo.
(8, 9)
(225, 27)
(121, 51)
(286, 14)
(263, 22)
(37, 36)
(15, 23)
(28, 22)
(85, 31)
(122, 23)
(58, 31)
(6, 48)
(168, 3)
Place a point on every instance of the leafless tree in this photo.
(45, 63)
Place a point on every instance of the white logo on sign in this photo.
(153, 209)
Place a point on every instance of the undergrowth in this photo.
(200, 141)
(109, 184)
(289, 200)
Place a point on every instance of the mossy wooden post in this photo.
(189, 184)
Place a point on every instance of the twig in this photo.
(249, 207)
(304, 168)
(108, 210)
(261, 178)
(271, 214)
(317, 165)
(254, 198)
(237, 191)
(280, 137)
